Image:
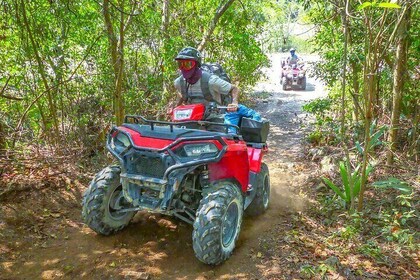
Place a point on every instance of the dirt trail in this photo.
(158, 247)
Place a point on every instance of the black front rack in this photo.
(136, 119)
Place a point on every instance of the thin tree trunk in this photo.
(343, 104)
(112, 39)
(119, 98)
(219, 12)
(356, 89)
(370, 92)
(42, 72)
(117, 60)
(415, 140)
(165, 18)
(397, 88)
(165, 25)
(369, 95)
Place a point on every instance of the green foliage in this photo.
(394, 183)
(351, 182)
(375, 4)
(372, 250)
(307, 271)
(396, 222)
(318, 106)
(73, 45)
(280, 16)
(375, 138)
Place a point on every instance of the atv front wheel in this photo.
(284, 84)
(102, 200)
(262, 197)
(218, 223)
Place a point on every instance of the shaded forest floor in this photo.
(42, 235)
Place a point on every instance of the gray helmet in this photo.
(292, 50)
(189, 53)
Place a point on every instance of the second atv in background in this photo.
(293, 76)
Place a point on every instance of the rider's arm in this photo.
(235, 94)
(233, 107)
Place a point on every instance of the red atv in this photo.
(293, 76)
(178, 168)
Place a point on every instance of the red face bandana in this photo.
(189, 70)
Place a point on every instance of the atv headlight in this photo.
(289, 76)
(199, 150)
(180, 115)
(120, 142)
(300, 75)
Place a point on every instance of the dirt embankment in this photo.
(42, 235)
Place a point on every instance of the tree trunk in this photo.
(397, 88)
(356, 92)
(119, 97)
(116, 49)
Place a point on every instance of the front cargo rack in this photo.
(137, 119)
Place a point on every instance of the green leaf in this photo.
(389, 5)
(369, 169)
(364, 5)
(357, 179)
(357, 183)
(359, 147)
(374, 141)
(345, 179)
(394, 183)
(335, 188)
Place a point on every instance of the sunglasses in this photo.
(186, 64)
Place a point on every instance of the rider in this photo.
(293, 58)
(188, 84)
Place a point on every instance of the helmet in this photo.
(292, 50)
(189, 53)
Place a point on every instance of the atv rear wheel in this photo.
(262, 198)
(304, 83)
(102, 200)
(218, 223)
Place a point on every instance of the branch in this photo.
(3, 89)
(58, 84)
(130, 16)
(11, 97)
(219, 12)
(391, 38)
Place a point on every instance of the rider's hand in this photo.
(233, 107)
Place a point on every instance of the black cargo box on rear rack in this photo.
(254, 131)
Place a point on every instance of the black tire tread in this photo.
(93, 203)
(208, 224)
(256, 207)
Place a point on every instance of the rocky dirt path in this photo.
(58, 246)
